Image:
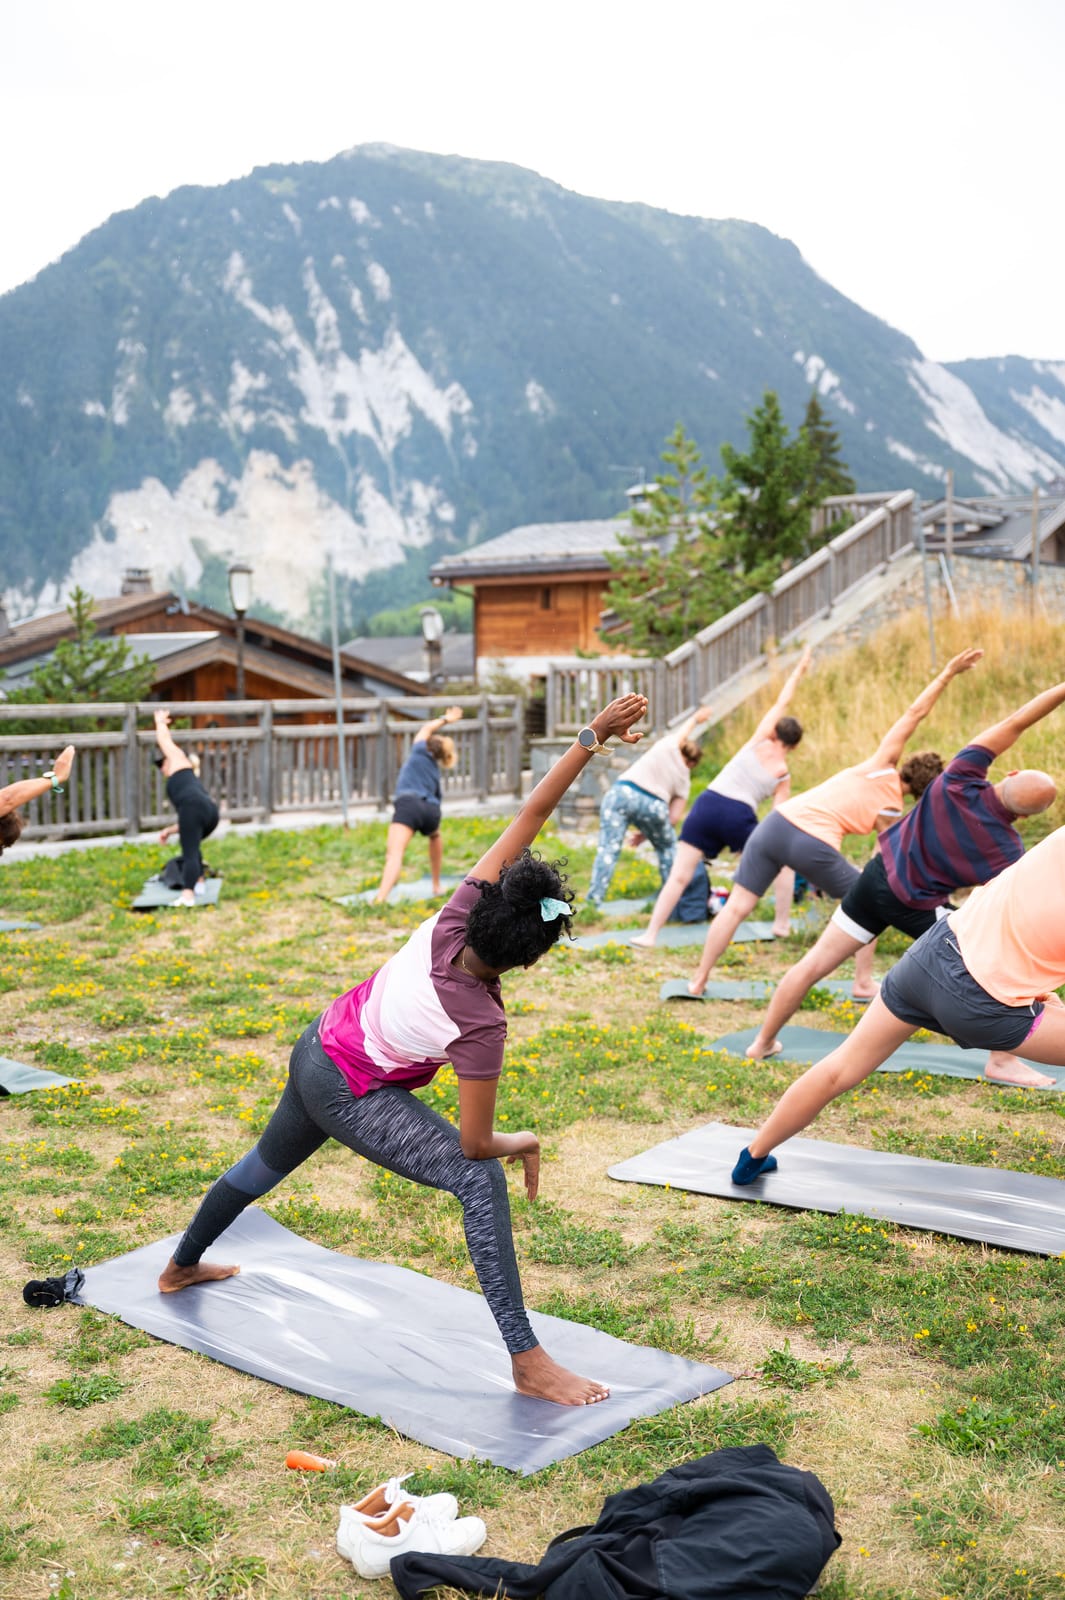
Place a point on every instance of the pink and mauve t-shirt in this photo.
(419, 1011)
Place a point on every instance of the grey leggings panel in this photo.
(391, 1128)
(777, 843)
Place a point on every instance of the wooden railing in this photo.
(254, 765)
(678, 682)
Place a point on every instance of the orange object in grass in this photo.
(304, 1461)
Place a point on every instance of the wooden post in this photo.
(132, 772)
(1036, 550)
(949, 551)
(266, 760)
(482, 751)
(384, 759)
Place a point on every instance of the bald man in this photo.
(959, 833)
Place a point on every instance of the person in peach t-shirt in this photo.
(984, 975)
(806, 832)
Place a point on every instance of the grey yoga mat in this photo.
(156, 894)
(1016, 1209)
(18, 926)
(748, 989)
(807, 1045)
(418, 889)
(17, 1078)
(675, 934)
(423, 1356)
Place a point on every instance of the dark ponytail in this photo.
(506, 927)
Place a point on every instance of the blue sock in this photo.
(749, 1167)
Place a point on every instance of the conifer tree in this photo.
(828, 470)
(766, 495)
(88, 666)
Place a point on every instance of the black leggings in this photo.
(197, 818)
(390, 1127)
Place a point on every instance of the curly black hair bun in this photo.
(506, 928)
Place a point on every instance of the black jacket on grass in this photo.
(734, 1525)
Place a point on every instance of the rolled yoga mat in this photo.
(155, 894)
(17, 1078)
(19, 927)
(425, 1357)
(1018, 1210)
(749, 989)
(807, 1045)
(418, 889)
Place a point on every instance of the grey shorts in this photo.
(931, 987)
(777, 843)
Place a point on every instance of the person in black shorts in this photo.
(416, 803)
(197, 814)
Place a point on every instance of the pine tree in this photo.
(676, 570)
(89, 666)
(766, 495)
(828, 470)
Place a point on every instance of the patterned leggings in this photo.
(393, 1129)
(625, 806)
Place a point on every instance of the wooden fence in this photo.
(255, 762)
(678, 682)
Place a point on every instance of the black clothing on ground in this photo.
(197, 817)
(734, 1525)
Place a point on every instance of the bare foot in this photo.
(174, 1277)
(1010, 1069)
(696, 987)
(536, 1374)
(859, 992)
(782, 932)
(757, 1051)
(645, 941)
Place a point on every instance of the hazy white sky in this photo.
(910, 148)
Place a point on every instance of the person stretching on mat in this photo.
(650, 796)
(726, 813)
(984, 975)
(27, 789)
(959, 832)
(197, 814)
(438, 999)
(805, 833)
(416, 803)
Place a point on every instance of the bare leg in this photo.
(783, 895)
(399, 837)
(865, 985)
(724, 925)
(873, 1040)
(174, 1277)
(1003, 1068)
(535, 1373)
(685, 862)
(436, 859)
(833, 947)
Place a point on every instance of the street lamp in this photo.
(432, 633)
(240, 600)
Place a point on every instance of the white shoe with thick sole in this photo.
(370, 1546)
(380, 1502)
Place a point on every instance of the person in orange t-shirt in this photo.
(985, 975)
(806, 832)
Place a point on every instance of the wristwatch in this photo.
(57, 787)
(588, 740)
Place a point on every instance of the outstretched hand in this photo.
(704, 713)
(962, 662)
(63, 762)
(616, 719)
(162, 718)
(452, 714)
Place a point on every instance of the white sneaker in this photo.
(370, 1546)
(380, 1501)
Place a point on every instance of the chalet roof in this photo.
(1001, 525)
(536, 549)
(402, 653)
(42, 634)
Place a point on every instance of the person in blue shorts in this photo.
(416, 802)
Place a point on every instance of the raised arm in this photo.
(999, 737)
(27, 789)
(427, 729)
(783, 699)
(700, 715)
(173, 755)
(615, 720)
(893, 743)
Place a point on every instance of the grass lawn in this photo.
(923, 1379)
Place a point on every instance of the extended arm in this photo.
(999, 737)
(27, 789)
(173, 755)
(427, 729)
(700, 715)
(893, 743)
(615, 720)
(783, 699)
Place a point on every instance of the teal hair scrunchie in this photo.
(551, 910)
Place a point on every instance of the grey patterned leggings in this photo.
(393, 1129)
(625, 806)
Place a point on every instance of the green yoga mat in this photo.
(677, 934)
(418, 889)
(807, 1045)
(19, 927)
(17, 1078)
(748, 989)
(155, 895)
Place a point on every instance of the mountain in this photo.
(390, 354)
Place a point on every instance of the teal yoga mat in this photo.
(748, 989)
(155, 895)
(17, 1078)
(678, 934)
(806, 1045)
(19, 927)
(418, 889)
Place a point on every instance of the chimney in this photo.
(5, 621)
(136, 580)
